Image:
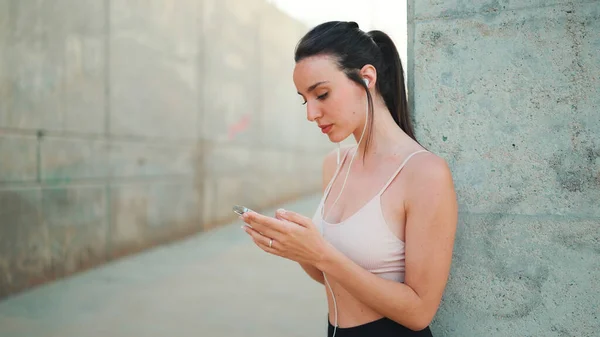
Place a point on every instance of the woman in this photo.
(382, 237)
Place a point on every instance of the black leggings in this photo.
(383, 327)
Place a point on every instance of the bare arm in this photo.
(431, 217)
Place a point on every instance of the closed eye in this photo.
(322, 97)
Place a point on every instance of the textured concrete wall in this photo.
(509, 93)
(124, 124)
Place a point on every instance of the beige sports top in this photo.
(365, 237)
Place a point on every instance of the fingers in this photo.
(263, 242)
(294, 217)
(265, 225)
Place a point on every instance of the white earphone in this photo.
(366, 81)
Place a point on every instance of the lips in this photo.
(325, 128)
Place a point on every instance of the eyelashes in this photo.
(320, 97)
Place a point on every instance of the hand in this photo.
(294, 236)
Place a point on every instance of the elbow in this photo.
(420, 320)
(419, 324)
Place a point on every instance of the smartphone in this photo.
(240, 209)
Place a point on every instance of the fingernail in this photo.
(281, 211)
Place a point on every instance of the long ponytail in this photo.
(391, 86)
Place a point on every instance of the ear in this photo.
(368, 72)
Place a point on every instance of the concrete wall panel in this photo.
(18, 158)
(543, 284)
(65, 159)
(143, 214)
(508, 93)
(431, 9)
(152, 60)
(481, 99)
(140, 159)
(24, 240)
(53, 68)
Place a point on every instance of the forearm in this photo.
(394, 300)
(313, 272)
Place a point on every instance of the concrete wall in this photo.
(125, 124)
(509, 93)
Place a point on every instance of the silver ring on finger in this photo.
(270, 243)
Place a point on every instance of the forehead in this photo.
(313, 69)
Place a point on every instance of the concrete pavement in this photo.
(216, 283)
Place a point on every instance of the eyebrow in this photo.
(312, 87)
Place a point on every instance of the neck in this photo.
(386, 136)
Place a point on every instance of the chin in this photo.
(336, 137)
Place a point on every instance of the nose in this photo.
(312, 112)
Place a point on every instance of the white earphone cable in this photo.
(338, 197)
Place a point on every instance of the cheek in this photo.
(345, 112)
(335, 111)
(339, 108)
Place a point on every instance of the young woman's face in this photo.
(333, 101)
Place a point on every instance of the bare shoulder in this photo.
(424, 165)
(427, 174)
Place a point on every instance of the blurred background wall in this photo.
(508, 93)
(125, 124)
